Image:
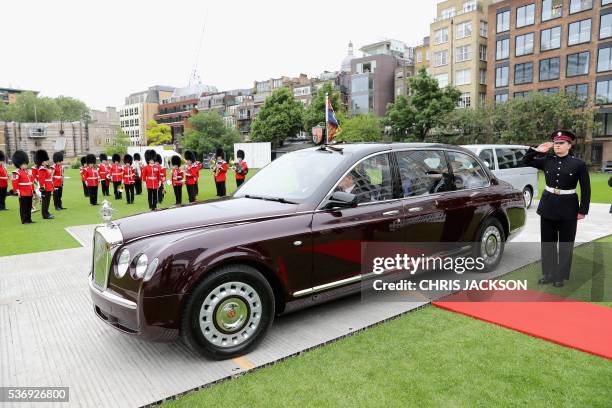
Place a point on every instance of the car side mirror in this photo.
(342, 200)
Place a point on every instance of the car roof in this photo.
(369, 148)
(488, 146)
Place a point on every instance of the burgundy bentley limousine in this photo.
(216, 273)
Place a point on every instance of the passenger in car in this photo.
(360, 186)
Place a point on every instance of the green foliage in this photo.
(118, 144)
(361, 128)
(279, 118)
(158, 134)
(206, 132)
(72, 110)
(30, 108)
(315, 112)
(413, 117)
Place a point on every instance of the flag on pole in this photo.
(332, 126)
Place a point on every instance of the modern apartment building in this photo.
(140, 108)
(552, 46)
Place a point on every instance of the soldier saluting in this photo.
(559, 208)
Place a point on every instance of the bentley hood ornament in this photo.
(107, 213)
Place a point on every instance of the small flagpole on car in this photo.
(326, 113)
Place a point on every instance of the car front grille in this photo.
(105, 244)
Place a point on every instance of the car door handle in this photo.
(394, 212)
(415, 209)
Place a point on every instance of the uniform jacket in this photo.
(23, 182)
(104, 172)
(58, 175)
(83, 172)
(222, 172)
(45, 178)
(3, 176)
(191, 174)
(178, 176)
(92, 176)
(245, 168)
(129, 175)
(116, 173)
(150, 176)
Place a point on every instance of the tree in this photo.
(118, 144)
(206, 132)
(30, 108)
(279, 118)
(413, 117)
(315, 112)
(361, 128)
(72, 110)
(158, 134)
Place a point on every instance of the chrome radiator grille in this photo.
(101, 261)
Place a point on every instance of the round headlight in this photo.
(122, 264)
(151, 270)
(141, 266)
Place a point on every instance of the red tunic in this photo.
(116, 172)
(244, 168)
(104, 171)
(3, 177)
(58, 175)
(83, 171)
(45, 178)
(128, 175)
(23, 183)
(192, 174)
(92, 176)
(178, 176)
(150, 175)
(223, 170)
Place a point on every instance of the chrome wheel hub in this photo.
(230, 314)
(491, 244)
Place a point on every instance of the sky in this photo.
(100, 51)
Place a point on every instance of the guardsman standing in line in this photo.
(150, 175)
(82, 171)
(128, 178)
(104, 171)
(58, 180)
(191, 175)
(116, 173)
(241, 168)
(137, 173)
(3, 182)
(198, 167)
(559, 209)
(220, 172)
(161, 170)
(45, 181)
(178, 179)
(23, 185)
(92, 175)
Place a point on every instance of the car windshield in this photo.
(293, 176)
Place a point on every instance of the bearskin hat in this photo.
(103, 156)
(91, 158)
(2, 156)
(240, 154)
(20, 157)
(83, 160)
(189, 155)
(149, 155)
(40, 156)
(158, 159)
(127, 159)
(116, 158)
(219, 153)
(175, 160)
(136, 156)
(58, 157)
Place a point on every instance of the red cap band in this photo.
(563, 137)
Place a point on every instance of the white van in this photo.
(505, 161)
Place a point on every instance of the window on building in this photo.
(605, 26)
(551, 9)
(483, 52)
(501, 77)
(503, 21)
(136, 110)
(523, 73)
(469, 6)
(525, 15)
(483, 77)
(549, 91)
(606, 2)
(503, 49)
(419, 56)
(463, 53)
(550, 39)
(482, 98)
(484, 29)
(277, 83)
(581, 91)
(448, 13)
(523, 94)
(603, 91)
(427, 55)
(465, 101)
(577, 6)
(441, 36)
(464, 29)
(578, 64)
(549, 69)
(524, 44)
(579, 32)
(442, 80)
(463, 77)
(440, 58)
(604, 59)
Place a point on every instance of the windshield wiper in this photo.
(277, 199)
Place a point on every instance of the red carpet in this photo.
(580, 325)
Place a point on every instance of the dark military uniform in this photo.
(559, 209)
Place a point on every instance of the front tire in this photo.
(489, 245)
(228, 313)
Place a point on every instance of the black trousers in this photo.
(116, 185)
(57, 197)
(192, 192)
(557, 247)
(239, 182)
(160, 194)
(93, 194)
(25, 209)
(85, 189)
(45, 201)
(129, 193)
(220, 188)
(138, 185)
(152, 197)
(178, 194)
(105, 185)
(3, 198)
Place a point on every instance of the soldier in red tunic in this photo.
(58, 180)
(104, 171)
(3, 182)
(150, 175)
(161, 191)
(178, 179)
(116, 173)
(191, 175)
(82, 171)
(241, 168)
(23, 185)
(92, 176)
(220, 171)
(45, 181)
(129, 180)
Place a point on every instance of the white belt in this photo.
(559, 191)
(57, 176)
(25, 184)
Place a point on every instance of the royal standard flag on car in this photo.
(333, 127)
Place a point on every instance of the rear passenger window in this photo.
(467, 171)
(518, 156)
(423, 172)
(487, 157)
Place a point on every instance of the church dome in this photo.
(346, 62)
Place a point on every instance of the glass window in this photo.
(523, 73)
(484, 28)
(581, 91)
(467, 172)
(503, 21)
(550, 39)
(604, 59)
(549, 69)
(523, 94)
(442, 80)
(578, 64)
(606, 2)
(419, 56)
(549, 91)
(580, 5)
(579, 32)
(464, 29)
(501, 98)
(505, 158)
(501, 77)
(463, 53)
(487, 158)
(465, 100)
(423, 172)
(603, 91)
(360, 104)
(440, 58)
(483, 52)
(524, 44)
(551, 9)
(360, 83)
(441, 35)
(483, 77)
(370, 180)
(463, 77)
(503, 49)
(525, 15)
(605, 26)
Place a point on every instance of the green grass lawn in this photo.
(46, 235)
(600, 191)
